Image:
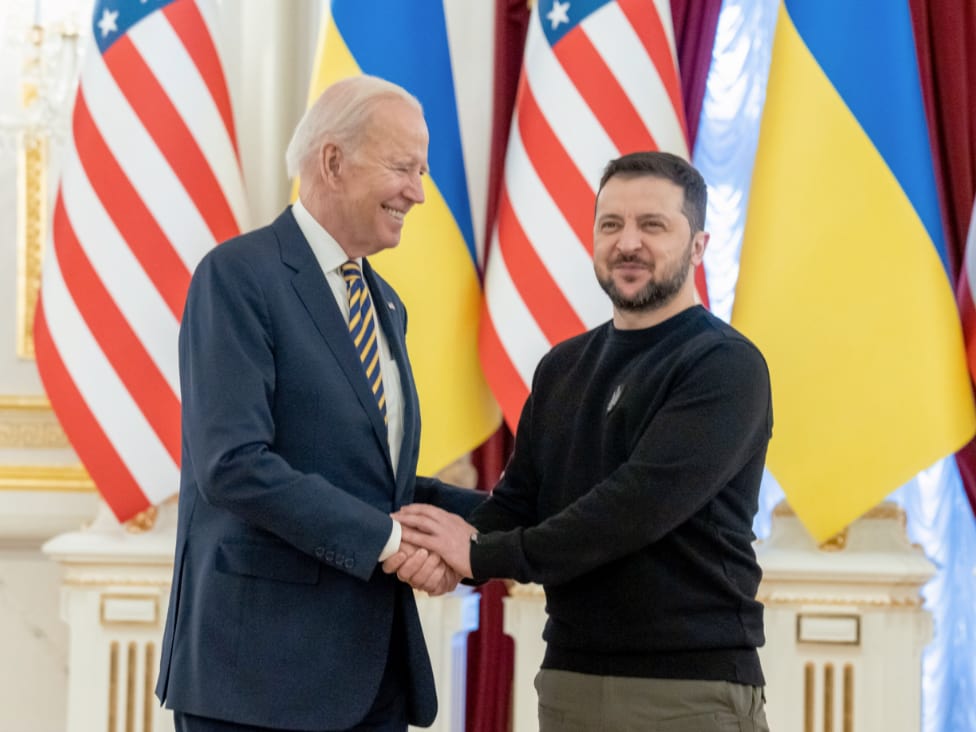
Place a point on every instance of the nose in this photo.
(415, 190)
(629, 240)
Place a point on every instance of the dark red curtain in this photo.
(695, 22)
(945, 36)
(490, 652)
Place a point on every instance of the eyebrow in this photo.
(653, 217)
(609, 215)
(408, 161)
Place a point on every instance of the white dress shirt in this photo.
(331, 257)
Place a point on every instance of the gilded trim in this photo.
(32, 225)
(44, 434)
(28, 422)
(829, 616)
(809, 690)
(848, 697)
(113, 686)
(130, 688)
(828, 699)
(836, 543)
(107, 581)
(45, 478)
(106, 598)
(786, 598)
(24, 403)
(148, 700)
(143, 521)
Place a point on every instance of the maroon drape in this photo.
(695, 22)
(945, 35)
(491, 656)
(490, 652)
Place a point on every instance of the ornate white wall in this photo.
(43, 490)
(267, 48)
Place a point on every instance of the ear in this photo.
(698, 245)
(330, 162)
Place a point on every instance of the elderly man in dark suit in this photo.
(300, 437)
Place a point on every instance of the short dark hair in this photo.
(670, 167)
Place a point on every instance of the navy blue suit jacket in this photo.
(279, 615)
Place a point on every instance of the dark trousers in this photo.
(387, 714)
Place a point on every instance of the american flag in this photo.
(599, 80)
(150, 181)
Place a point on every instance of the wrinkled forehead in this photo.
(395, 126)
(640, 193)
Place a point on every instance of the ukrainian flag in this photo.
(844, 281)
(434, 269)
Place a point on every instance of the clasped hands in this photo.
(435, 552)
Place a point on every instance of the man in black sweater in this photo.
(634, 481)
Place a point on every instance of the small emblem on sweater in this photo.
(615, 397)
(391, 306)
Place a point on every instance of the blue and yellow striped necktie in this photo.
(362, 328)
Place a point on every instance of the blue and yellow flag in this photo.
(844, 280)
(434, 269)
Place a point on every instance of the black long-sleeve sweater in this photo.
(630, 498)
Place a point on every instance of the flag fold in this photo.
(599, 80)
(844, 281)
(435, 267)
(150, 181)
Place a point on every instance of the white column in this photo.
(845, 626)
(447, 621)
(114, 598)
(525, 617)
(115, 590)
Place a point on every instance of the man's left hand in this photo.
(440, 532)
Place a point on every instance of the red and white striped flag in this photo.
(151, 180)
(599, 80)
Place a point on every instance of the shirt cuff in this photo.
(393, 543)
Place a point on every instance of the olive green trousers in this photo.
(572, 702)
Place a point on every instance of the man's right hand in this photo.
(421, 570)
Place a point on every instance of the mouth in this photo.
(396, 213)
(630, 272)
(630, 266)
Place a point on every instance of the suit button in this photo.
(348, 564)
(320, 551)
(329, 555)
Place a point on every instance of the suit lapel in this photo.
(316, 295)
(398, 348)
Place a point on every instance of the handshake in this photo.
(435, 549)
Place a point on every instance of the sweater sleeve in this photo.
(513, 499)
(449, 497)
(716, 419)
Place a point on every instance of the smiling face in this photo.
(643, 249)
(375, 182)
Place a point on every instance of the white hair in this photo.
(339, 115)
